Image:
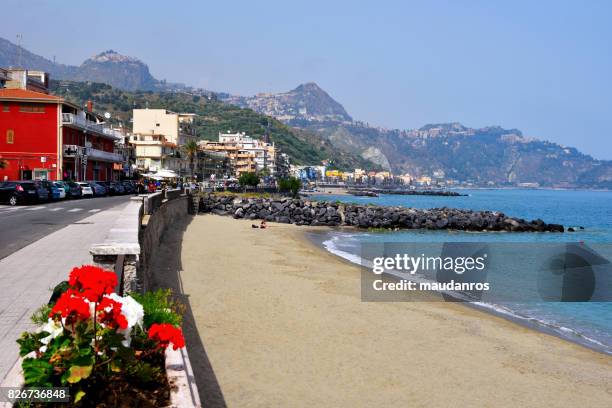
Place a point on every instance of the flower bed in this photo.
(107, 349)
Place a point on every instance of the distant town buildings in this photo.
(248, 155)
(157, 137)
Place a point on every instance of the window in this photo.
(6, 107)
(31, 108)
(10, 136)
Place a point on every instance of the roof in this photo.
(23, 94)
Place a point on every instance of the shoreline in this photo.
(532, 323)
(282, 321)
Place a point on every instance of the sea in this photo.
(587, 323)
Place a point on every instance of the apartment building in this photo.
(46, 137)
(248, 155)
(177, 128)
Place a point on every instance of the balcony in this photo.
(101, 155)
(80, 122)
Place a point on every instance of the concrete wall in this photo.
(153, 230)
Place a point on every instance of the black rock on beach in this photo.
(305, 212)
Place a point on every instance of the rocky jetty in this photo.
(304, 212)
(444, 193)
(362, 193)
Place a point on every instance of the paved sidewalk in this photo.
(28, 275)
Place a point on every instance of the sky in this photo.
(543, 67)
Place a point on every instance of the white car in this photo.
(86, 190)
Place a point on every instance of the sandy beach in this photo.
(276, 321)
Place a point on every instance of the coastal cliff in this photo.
(305, 212)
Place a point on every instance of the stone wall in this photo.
(304, 212)
(153, 229)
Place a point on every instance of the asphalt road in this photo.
(21, 225)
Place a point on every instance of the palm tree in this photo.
(191, 151)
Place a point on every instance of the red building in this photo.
(44, 136)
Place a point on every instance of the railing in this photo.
(96, 154)
(81, 122)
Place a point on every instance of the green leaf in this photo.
(78, 373)
(29, 342)
(37, 372)
(77, 397)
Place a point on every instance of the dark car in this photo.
(74, 190)
(129, 187)
(54, 193)
(98, 189)
(19, 192)
(113, 187)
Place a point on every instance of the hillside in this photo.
(306, 102)
(213, 117)
(108, 67)
(484, 155)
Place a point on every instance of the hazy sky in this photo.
(544, 67)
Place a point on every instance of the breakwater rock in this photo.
(443, 193)
(304, 212)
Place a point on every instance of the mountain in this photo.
(12, 55)
(213, 116)
(488, 155)
(306, 102)
(116, 70)
(108, 67)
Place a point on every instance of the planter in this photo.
(183, 394)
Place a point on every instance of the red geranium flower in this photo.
(71, 306)
(92, 281)
(110, 314)
(165, 334)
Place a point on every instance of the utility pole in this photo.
(19, 38)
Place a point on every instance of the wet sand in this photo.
(282, 324)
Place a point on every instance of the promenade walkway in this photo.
(28, 275)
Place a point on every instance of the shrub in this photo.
(248, 179)
(291, 184)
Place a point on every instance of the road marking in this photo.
(56, 209)
(75, 210)
(94, 210)
(35, 208)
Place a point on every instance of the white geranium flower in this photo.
(130, 308)
(133, 312)
(54, 329)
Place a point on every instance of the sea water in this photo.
(589, 323)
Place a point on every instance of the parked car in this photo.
(60, 188)
(98, 189)
(74, 190)
(129, 187)
(113, 187)
(86, 190)
(21, 192)
(63, 186)
(54, 193)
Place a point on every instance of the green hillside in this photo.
(213, 117)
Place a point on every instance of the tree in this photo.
(248, 179)
(290, 184)
(191, 151)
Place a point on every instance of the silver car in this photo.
(86, 190)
